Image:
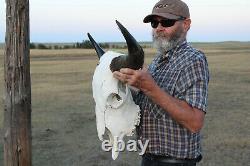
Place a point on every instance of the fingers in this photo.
(127, 71)
(129, 76)
(117, 74)
(140, 79)
(121, 76)
(124, 74)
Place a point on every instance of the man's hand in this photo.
(140, 79)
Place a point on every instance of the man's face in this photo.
(165, 38)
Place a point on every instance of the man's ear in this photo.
(187, 24)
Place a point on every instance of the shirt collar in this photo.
(179, 46)
(172, 52)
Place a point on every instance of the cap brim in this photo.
(149, 18)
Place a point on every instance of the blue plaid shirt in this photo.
(182, 73)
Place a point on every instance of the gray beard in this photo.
(165, 43)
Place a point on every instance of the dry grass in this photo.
(63, 119)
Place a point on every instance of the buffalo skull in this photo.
(116, 112)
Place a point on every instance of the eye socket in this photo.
(117, 97)
(116, 100)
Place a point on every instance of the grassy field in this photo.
(63, 118)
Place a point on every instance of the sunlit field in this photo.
(63, 119)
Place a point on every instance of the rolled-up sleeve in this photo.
(193, 83)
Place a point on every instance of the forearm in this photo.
(179, 110)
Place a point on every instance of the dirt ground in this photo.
(63, 119)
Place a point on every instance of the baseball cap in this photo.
(170, 9)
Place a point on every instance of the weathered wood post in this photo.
(17, 97)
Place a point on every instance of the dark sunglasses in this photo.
(165, 22)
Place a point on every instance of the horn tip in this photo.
(118, 23)
(89, 35)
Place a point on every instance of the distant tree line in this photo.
(85, 44)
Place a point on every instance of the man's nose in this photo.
(159, 27)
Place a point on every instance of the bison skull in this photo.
(115, 109)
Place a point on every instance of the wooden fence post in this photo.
(17, 97)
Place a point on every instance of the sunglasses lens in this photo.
(168, 23)
(164, 23)
(154, 24)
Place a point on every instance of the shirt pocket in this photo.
(167, 81)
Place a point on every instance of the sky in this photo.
(69, 21)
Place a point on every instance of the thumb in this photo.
(144, 67)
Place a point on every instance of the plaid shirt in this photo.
(182, 73)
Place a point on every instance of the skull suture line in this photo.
(115, 109)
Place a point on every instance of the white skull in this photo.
(115, 109)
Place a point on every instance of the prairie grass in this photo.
(63, 118)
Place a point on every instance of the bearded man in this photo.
(172, 91)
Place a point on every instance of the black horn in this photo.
(98, 49)
(135, 57)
